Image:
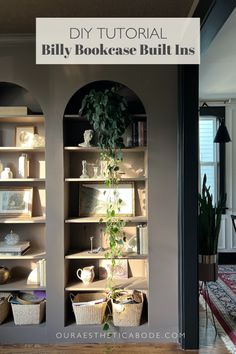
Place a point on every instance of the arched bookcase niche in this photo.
(21, 118)
(80, 227)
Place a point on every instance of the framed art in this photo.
(24, 136)
(94, 199)
(120, 270)
(16, 202)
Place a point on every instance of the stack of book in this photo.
(142, 239)
(14, 250)
(38, 274)
(139, 133)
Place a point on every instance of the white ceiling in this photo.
(218, 64)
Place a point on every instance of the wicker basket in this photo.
(127, 315)
(28, 314)
(89, 314)
(4, 307)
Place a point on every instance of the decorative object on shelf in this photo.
(38, 275)
(127, 308)
(4, 306)
(38, 141)
(120, 270)
(4, 274)
(209, 221)
(25, 136)
(89, 308)
(23, 166)
(131, 245)
(27, 308)
(95, 172)
(142, 239)
(103, 169)
(101, 241)
(84, 170)
(94, 197)
(88, 135)
(86, 274)
(14, 250)
(6, 173)
(12, 238)
(1, 167)
(16, 202)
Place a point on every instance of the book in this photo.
(7, 254)
(142, 239)
(19, 247)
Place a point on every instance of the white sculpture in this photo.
(88, 135)
(84, 170)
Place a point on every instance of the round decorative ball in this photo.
(4, 274)
(12, 238)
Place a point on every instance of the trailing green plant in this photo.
(209, 220)
(107, 111)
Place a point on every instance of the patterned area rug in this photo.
(223, 303)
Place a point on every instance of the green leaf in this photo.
(106, 326)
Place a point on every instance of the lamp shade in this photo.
(222, 134)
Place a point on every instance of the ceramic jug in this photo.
(86, 274)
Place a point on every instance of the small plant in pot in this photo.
(209, 221)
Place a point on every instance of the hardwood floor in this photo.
(209, 344)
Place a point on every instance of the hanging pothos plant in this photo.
(107, 111)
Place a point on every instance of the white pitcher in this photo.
(86, 274)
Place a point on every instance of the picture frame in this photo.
(93, 200)
(120, 269)
(24, 136)
(16, 202)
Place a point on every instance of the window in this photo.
(209, 156)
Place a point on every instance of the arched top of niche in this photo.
(74, 126)
(14, 95)
(134, 103)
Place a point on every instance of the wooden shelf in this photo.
(97, 149)
(85, 220)
(101, 255)
(11, 325)
(139, 283)
(19, 284)
(33, 220)
(20, 149)
(83, 118)
(31, 254)
(22, 119)
(124, 179)
(22, 180)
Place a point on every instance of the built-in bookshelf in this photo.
(78, 228)
(29, 228)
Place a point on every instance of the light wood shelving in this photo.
(122, 179)
(36, 118)
(30, 254)
(139, 283)
(19, 285)
(20, 149)
(33, 220)
(96, 149)
(22, 180)
(91, 219)
(101, 255)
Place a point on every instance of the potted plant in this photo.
(107, 111)
(209, 221)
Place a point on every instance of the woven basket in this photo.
(89, 314)
(28, 314)
(4, 307)
(127, 315)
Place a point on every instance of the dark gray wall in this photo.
(157, 88)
